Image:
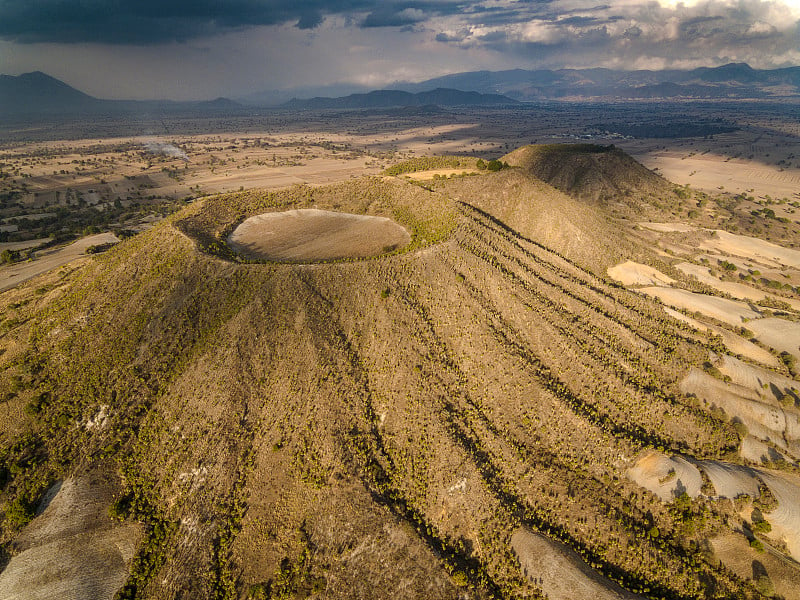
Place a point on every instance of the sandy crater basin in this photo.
(311, 234)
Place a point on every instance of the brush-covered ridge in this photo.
(371, 428)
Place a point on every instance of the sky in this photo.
(202, 49)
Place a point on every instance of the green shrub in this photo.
(9, 256)
(37, 404)
(762, 527)
(19, 512)
(120, 509)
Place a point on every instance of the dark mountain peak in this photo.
(219, 103)
(739, 72)
(39, 76)
(736, 66)
(36, 80)
(38, 92)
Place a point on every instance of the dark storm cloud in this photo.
(386, 33)
(390, 16)
(157, 21)
(150, 21)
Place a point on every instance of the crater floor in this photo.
(314, 235)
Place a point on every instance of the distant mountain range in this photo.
(735, 80)
(36, 94)
(388, 98)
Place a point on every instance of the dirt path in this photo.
(45, 260)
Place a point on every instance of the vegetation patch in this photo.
(429, 163)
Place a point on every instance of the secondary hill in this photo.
(379, 428)
(589, 171)
(391, 98)
(37, 93)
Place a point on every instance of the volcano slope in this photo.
(589, 171)
(377, 428)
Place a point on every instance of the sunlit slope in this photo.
(375, 428)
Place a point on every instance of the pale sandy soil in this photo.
(772, 272)
(559, 572)
(756, 451)
(431, 173)
(668, 227)
(756, 378)
(735, 552)
(762, 415)
(708, 172)
(731, 480)
(752, 248)
(732, 312)
(777, 333)
(734, 343)
(654, 471)
(73, 550)
(785, 519)
(741, 263)
(793, 303)
(311, 234)
(13, 275)
(272, 158)
(632, 273)
(737, 290)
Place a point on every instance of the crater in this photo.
(308, 235)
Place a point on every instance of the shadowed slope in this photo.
(588, 171)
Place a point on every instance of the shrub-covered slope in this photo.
(364, 429)
(589, 171)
